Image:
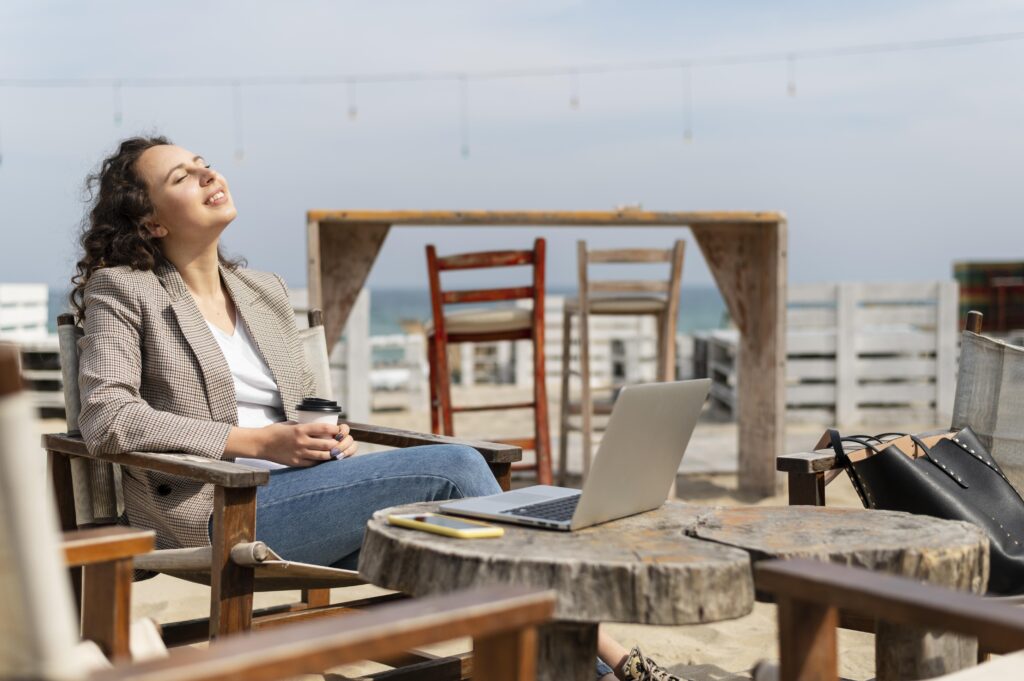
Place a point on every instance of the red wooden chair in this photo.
(486, 325)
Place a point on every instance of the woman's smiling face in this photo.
(191, 201)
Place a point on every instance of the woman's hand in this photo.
(292, 444)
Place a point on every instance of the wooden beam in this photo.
(589, 218)
(231, 585)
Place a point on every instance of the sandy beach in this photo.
(717, 651)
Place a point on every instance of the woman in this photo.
(185, 350)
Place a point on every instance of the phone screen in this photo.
(453, 523)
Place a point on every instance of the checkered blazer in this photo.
(152, 378)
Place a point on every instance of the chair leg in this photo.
(231, 585)
(670, 347)
(541, 426)
(586, 399)
(107, 604)
(444, 386)
(563, 406)
(435, 398)
(316, 598)
(64, 493)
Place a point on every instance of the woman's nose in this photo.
(207, 175)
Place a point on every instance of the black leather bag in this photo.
(955, 479)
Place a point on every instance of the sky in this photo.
(888, 166)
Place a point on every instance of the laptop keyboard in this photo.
(556, 509)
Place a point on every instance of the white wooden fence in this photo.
(858, 353)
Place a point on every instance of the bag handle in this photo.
(941, 466)
(844, 460)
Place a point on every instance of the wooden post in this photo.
(64, 495)
(358, 359)
(807, 641)
(748, 262)
(231, 585)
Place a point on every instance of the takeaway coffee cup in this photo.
(318, 410)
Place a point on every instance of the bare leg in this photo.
(612, 652)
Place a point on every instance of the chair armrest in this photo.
(999, 627)
(819, 461)
(488, 615)
(493, 452)
(104, 544)
(199, 468)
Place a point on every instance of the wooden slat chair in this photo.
(989, 399)
(488, 325)
(235, 565)
(657, 298)
(39, 636)
(811, 596)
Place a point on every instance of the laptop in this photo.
(633, 470)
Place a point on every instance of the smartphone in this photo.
(446, 525)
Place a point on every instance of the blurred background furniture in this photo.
(489, 324)
(657, 298)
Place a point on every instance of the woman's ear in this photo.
(154, 229)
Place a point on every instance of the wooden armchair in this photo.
(810, 596)
(235, 565)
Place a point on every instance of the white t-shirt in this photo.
(259, 400)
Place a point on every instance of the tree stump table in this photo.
(943, 552)
(685, 564)
(641, 569)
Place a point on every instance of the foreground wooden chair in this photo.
(659, 298)
(811, 595)
(487, 325)
(39, 637)
(234, 566)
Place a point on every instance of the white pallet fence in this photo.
(858, 353)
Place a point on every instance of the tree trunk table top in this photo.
(679, 564)
(641, 569)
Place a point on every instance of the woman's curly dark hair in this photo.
(114, 233)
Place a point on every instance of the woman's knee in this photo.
(465, 467)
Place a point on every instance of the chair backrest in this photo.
(669, 289)
(990, 398)
(99, 498)
(486, 259)
(38, 630)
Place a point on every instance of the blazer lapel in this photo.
(220, 387)
(265, 328)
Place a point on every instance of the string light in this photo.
(791, 68)
(353, 108)
(687, 105)
(236, 91)
(118, 114)
(464, 114)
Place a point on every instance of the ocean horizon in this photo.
(701, 308)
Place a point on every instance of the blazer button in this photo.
(163, 490)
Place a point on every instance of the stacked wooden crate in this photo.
(858, 353)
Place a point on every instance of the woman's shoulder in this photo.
(121, 277)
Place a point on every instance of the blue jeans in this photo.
(317, 515)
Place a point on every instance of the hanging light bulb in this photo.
(574, 90)
(791, 69)
(118, 115)
(464, 115)
(687, 105)
(236, 92)
(353, 108)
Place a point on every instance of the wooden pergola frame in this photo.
(746, 252)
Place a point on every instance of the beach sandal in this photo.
(638, 667)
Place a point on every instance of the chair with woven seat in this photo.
(654, 298)
(234, 565)
(41, 635)
(484, 325)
